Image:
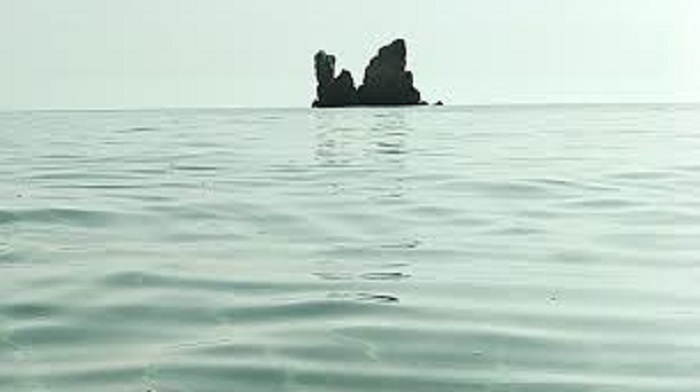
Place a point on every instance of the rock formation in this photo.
(386, 81)
(333, 91)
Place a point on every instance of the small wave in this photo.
(378, 298)
(140, 129)
(339, 305)
(71, 216)
(390, 276)
(30, 310)
(371, 276)
(412, 244)
(7, 217)
(192, 283)
(195, 168)
(603, 204)
(644, 175)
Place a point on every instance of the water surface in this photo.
(542, 248)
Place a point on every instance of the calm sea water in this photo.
(543, 248)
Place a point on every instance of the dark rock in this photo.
(333, 91)
(325, 67)
(386, 80)
(439, 103)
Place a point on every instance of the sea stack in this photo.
(386, 81)
(333, 91)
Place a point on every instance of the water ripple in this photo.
(526, 248)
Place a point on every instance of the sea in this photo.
(532, 248)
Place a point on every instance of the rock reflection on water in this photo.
(375, 144)
(346, 140)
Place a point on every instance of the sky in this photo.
(109, 54)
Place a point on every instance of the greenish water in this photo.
(543, 248)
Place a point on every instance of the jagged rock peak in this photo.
(386, 81)
(333, 91)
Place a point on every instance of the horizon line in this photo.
(430, 105)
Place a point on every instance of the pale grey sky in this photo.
(87, 54)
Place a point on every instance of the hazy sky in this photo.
(258, 53)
